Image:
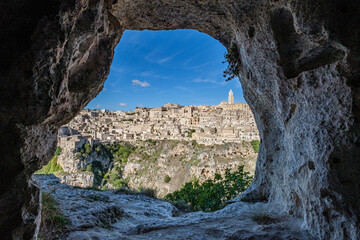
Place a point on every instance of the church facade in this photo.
(231, 106)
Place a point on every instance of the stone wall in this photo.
(299, 65)
(149, 162)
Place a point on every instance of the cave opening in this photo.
(299, 67)
(166, 91)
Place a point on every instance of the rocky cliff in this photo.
(167, 165)
(74, 159)
(162, 165)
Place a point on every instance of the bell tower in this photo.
(231, 97)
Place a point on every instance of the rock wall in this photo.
(55, 57)
(79, 179)
(149, 163)
(73, 161)
(183, 161)
(299, 65)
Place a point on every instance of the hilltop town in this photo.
(207, 124)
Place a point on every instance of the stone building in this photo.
(231, 97)
(226, 122)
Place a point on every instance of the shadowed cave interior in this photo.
(299, 68)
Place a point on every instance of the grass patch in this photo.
(255, 144)
(53, 222)
(263, 218)
(52, 167)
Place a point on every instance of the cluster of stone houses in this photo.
(216, 124)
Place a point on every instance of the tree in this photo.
(232, 58)
(212, 194)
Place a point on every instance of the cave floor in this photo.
(115, 215)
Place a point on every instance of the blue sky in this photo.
(152, 68)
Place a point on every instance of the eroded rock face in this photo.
(116, 215)
(182, 162)
(299, 65)
(44, 47)
(80, 179)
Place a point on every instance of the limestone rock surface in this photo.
(151, 162)
(72, 161)
(79, 179)
(183, 161)
(114, 215)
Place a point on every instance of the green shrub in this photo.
(212, 194)
(114, 177)
(190, 132)
(98, 148)
(87, 148)
(255, 144)
(120, 153)
(89, 168)
(167, 179)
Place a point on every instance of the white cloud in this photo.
(198, 66)
(200, 80)
(157, 56)
(123, 104)
(98, 105)
(164, 60)
(139, 83)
